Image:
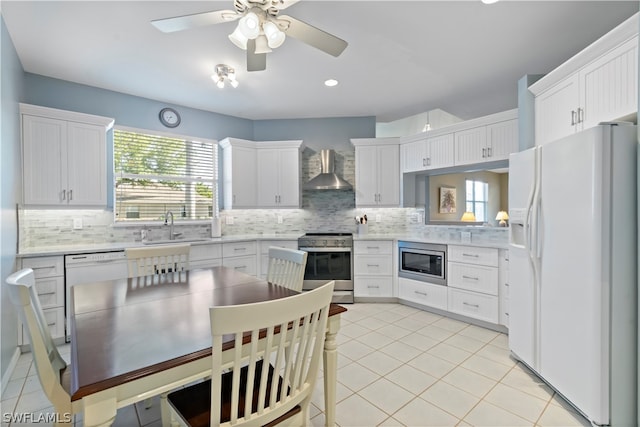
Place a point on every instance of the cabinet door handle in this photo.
(424, 162)
(379, 197)
(580, 115)
(489, 152)
(471, 305)
(421, 293)
(484, 153)
(573, 118)
(470, 278)
(70, 195)
(64, 194)
(234, 198)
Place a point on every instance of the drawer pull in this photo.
(472, 255)
(51, 324)
(506, 284)
(373, 287)
(239, 249)
(373, 265)
(471, 305)
(470, 278)
(43, 267)
(240, 267)
(373, 247)
(421, 293)
(46, 293)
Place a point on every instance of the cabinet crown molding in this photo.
(70, 116)
(375, 141)
(230, 142)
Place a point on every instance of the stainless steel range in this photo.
(330, 258)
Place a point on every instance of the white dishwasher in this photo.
(88, 268)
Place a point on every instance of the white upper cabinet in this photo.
(377, 172)
(261, 174)
(239, 173)
(63, 157)
(427, 153)
(598, 84)
(279, 182)
(486, 143)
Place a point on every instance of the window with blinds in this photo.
(155, 174)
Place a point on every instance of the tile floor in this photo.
(398, 366)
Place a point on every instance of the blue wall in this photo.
(317, 133)
(11, 92)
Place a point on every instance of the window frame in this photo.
(474, 201)
(118, 222)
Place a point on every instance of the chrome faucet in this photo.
(172, 235)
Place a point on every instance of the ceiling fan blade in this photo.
(179, 23)
(313, 36)
(255, 61)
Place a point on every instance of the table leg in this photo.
(99, 409)
(330, 359)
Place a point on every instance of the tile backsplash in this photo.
(322, 211)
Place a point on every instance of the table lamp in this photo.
(468, 217)
(502, 217)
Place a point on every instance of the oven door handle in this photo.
(325, 249)
(423, 252)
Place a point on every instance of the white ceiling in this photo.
(403, 58)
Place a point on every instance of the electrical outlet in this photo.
(229, 220)
(378, 218)
(77, 223)
(280, 220)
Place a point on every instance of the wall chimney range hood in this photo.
(327, 179)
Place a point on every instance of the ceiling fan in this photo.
(260, 28)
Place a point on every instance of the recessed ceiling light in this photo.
(331, 82)
(489, 1)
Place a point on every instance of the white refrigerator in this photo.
(572, 269)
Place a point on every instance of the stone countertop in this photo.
(119, 246)
(426, 239)
(111, 247)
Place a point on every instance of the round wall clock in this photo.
(169, 117)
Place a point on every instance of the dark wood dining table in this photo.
(135, 338)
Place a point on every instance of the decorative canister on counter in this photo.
(361, 222)
(216, 227)
(363, 228)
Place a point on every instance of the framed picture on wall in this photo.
(447, 200)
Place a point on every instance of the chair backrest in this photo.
(49, 363)
(286, 267)
(160, 259)
(294, 356)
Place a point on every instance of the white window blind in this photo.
(155, 174)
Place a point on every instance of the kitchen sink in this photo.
(174, 241)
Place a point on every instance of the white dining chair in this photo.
(246, 391)
(155, 260)
(286, 267)
(53, 372)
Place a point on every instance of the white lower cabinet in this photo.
(49, 277)
(373, 268)
(422, 293)
(503, 278)
(264, 252)
(473, 304)
(473, 285)
(241, 256)
(203, 256)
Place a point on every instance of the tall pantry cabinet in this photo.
(64, 157)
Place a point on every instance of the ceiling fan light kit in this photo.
(225, 73)
(259, 29)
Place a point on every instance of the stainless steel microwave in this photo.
(425, 262)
